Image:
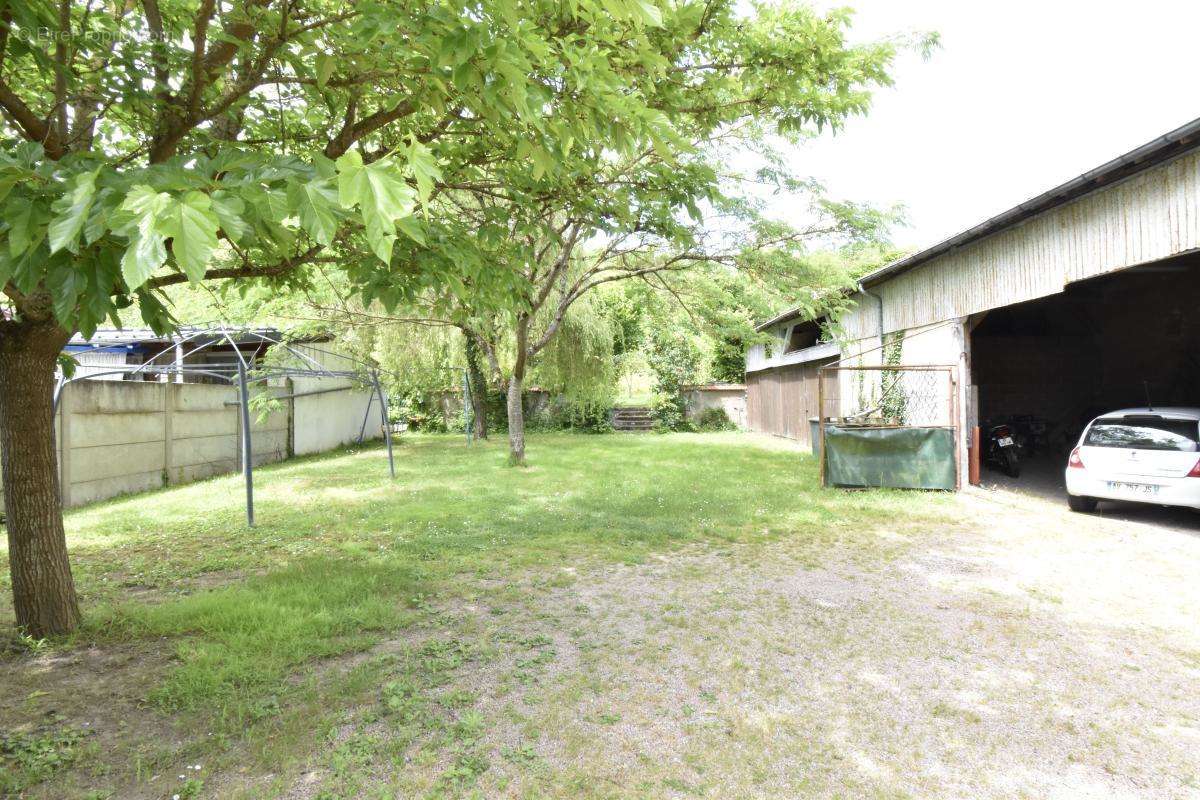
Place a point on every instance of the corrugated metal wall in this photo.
(1151, 216)
(781, 401)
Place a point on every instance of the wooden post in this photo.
(821, 422)
(952, 375)
(975, 457)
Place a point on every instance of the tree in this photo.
(478, 383)
(583, 213)
(169, 141)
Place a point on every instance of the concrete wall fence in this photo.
(729, 397)
(117, 437)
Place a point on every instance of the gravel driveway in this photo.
(1017, 652)
(1022, 652)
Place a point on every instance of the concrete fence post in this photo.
(66, 408)
(170, 391)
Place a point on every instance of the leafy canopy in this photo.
(167, 141)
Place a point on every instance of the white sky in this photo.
(1021, 96)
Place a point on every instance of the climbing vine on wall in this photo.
(893, 404)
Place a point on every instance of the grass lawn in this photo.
(628, 617)
(244, 650)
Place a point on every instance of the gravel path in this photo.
(1023, 652)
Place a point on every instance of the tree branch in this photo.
(272, 271)
(31, 125)
(352, 131)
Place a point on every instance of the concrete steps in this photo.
(632, 418)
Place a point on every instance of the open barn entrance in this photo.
(1049, 366)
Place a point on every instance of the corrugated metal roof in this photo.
(1162, 149)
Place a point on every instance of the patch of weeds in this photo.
(606, 718)
(352, 755)
(440, 657)
(27, 759)
(944, 710)
(262, 709)
(458, 698)
(468, 763)
(404, 699)
(15, 643)
(529, 666)
(683, 787)
(523, 754)
(466, 769)
(189, 790)
(469, 728)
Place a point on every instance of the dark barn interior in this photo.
(1106, 343)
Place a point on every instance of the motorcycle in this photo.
(1001, 450)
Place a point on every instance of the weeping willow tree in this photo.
(579, 363)
(418, 359)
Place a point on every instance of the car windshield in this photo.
(1143, 433)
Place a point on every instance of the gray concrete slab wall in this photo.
(729, 397)
(118, 437)
(329, 412)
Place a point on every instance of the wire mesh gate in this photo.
(889, 426)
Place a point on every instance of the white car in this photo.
(1144, 455)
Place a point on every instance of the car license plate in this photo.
(1148, 489)
(1005, 441)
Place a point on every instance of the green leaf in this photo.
(230, 210)
(325, 65)
(146, 251)
(352, 181)
(8, 265)
(390, 198)
(314, 203)
(8, 180)
(542, 162)
(424, 169)
(381, 195)
(67, 364)
(651, 14)
(71, 213)
(411, 227)
(65, 283)
(192, 226)
(20, 230)
(381, 240)
(145, 254)
(98, 219)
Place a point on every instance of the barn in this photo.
(1081, 300)
(781, 376)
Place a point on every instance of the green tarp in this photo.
(898, 458)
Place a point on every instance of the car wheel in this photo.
(1085, 505)
(1012, 465)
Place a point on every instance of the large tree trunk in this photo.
(478, 386)
(43, 590)
(516, 421)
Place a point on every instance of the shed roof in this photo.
(104, 337)
(1164, 148)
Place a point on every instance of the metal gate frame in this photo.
(955, 424)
